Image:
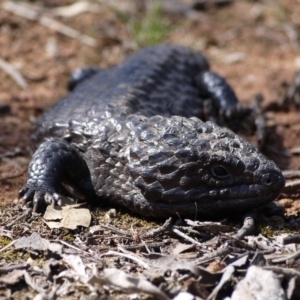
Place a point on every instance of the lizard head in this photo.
(185, 166)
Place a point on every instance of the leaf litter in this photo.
(102, 260)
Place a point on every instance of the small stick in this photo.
(159, 230)
(75, 9)
(13, 73)
(291, 239)
(71, 246)
(221, 252)
(285, 258)
(5, 270)
(24, 11)
(291, 174)
(25, 214)
(7, 246)
(291, 186)
(68, 31)
(137, 260)
(247, 227)
(150, 245)
(186, 237)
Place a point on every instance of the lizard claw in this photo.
(37, 198)
(26, 194)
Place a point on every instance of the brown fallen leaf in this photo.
(69, 216)
(35, 242)
(124, 281)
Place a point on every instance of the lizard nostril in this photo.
(271, 179)
(268, 179)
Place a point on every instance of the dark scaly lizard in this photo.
(132, 134)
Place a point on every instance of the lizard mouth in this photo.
(208, 206)
(238, 198)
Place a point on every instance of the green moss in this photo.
(128, 221)
(271, 231)
(68, 238)
(10, 256)
(4, 241)
(3, 206)
(266, 231)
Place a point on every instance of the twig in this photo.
(186, 237)
(68, 31)
(71, 246)
(24, 11)
(13, 73)
(7, 246)
(291, 174)
(159, 230)
(292, 186)
(25, 214)
(291, 239)
(286, 257)
(75, 9)
(137, 260)
(5, 270)
(242, 251)
(221, 252)
(150, 245)
(247, 228)
(111, 228)
(226, 277)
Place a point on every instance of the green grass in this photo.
(152, 28)
(147, 29)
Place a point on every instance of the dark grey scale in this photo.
(149, 174)
(131, 135)
(170, 180)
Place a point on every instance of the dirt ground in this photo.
(253, 44)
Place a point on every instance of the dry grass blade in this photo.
(129, 256)
(186, 237)
(75, 9)
(4, 270)
(24, 11)
(291, 174)
(13, 73)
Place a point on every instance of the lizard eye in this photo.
(220, 172)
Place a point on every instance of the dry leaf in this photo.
(35, 242)
(67, 217)
(76, 263)
(122, 280)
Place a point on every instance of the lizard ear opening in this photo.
(220, 172)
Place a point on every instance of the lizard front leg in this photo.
(55, 162)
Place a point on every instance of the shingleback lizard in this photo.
(132, 135)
